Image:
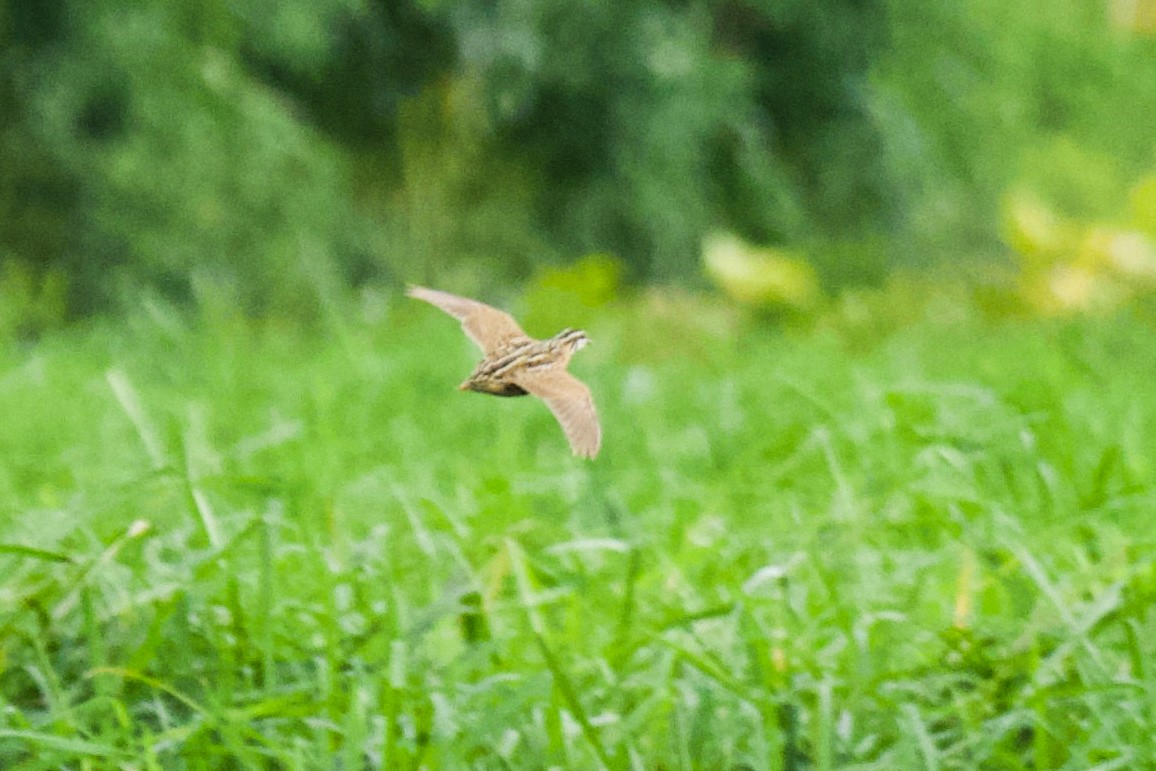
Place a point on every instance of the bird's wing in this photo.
(570, 401)
(485, 325)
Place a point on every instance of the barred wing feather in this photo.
(487, 326)
(570, 401)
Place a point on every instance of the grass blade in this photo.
(566, 688)
(80, 747)
(29, 551)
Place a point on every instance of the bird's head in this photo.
(572, 339)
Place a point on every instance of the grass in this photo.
(230, 545)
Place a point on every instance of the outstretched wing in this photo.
(570, 401)
(486, 326)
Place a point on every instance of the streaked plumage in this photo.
(515, 364)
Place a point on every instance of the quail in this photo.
(515, 364)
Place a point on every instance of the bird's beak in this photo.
(464, 386)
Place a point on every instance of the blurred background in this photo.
(787, 154)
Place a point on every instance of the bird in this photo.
(515, 364)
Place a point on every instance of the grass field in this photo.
(228, 545)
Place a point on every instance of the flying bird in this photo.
(515, 364)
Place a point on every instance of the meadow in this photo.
(237, 544)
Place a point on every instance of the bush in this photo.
(273, 153)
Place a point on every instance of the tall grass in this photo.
(234, 545)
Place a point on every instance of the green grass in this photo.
(228, 545)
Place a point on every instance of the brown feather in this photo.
(570, 401)
(487, 326)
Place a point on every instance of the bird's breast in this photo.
(493, 387)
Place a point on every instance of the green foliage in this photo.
(973, 97)
(1081, 243)
(29, 304)
(184, 172)
(234, 544)
(254, 153)
(645, 124)
(269, 155)
(574, 295)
